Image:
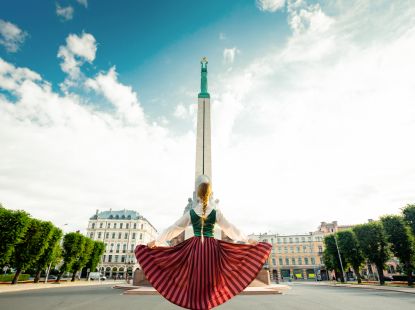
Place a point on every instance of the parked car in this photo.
(103, 278)
(52, 277)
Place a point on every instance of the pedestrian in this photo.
(202, 272)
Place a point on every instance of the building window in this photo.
(313, 261)
(142, 226)
(113, 235)
(292, 249)
(126, 226)
(304, 248)
(285, 249)
(108, 225)
(280, 260)
(135, 225)
(297, 240)
(99, 235)
(93, 225)
(285, 240)
(103, 258)
(274, 262)
(119, 235)
(116, 258)
(279, 240)
(298, 249)
(107, 235)
(121, 225)
(279, 249)
(291, 240)
(133, 236)
(302, 239)
(126, 236)
(320, 249)
(293, 260)
(300, 261)
(100, 225)
(109, 258)
(122, 258)
(91, 235)
(306, 260)
(118, 248)
(132, 248)
(141, 236)
(124, 248)
(287, 261)
(112, 247)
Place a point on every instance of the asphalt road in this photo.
(299, 297)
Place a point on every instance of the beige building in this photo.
(295, 256)
(121, 231)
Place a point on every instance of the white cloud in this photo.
(83, 2)
(318, 128)
(307, 17)
(270, 5)
(66, 13)
(229, 54)
(183, 112)
(62, 159)
(121, 96)
(11, 36)
(77, 51)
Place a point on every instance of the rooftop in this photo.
(117, 215)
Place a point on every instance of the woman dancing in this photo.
(202, 272)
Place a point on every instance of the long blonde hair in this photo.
(203, 192)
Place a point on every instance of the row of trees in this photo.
(374, 243)
(29, 243)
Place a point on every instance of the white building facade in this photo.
(120, 231)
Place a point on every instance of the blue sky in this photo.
(150, 47)
(312, 108)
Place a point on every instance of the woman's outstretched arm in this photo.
(174, 230)
(231, 230)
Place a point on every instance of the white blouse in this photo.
(174, 230)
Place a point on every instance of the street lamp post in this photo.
(340, 258)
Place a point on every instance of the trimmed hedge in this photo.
(9, 277)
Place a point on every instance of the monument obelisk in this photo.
(203, 147)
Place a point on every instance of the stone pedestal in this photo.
(262, 279)
(140, 279)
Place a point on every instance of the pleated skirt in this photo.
(202, 275)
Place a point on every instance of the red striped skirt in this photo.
(196, 275)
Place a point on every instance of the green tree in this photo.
(409, 216)
(49, 255)
(13, 227)
(372, 241)
(73, 244)
(32, 246)
(350, 250)
(331, 257)
(82, 257)
(97, 252)
(401, 242)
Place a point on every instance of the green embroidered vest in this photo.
(207, 227)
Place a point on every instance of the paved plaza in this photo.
(300, 297)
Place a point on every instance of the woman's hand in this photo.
(152, 244)
(252, 241)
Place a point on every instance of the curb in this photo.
(376, 288)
